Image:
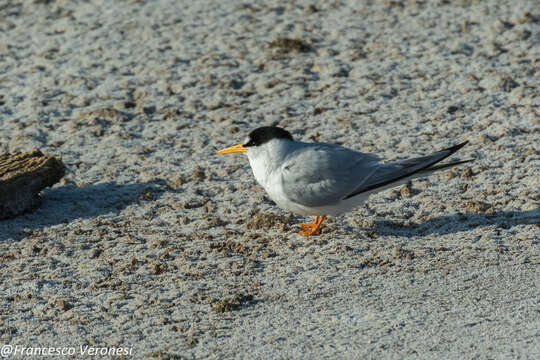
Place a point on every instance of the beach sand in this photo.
(154, 243)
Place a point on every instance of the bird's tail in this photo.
(402, 171)
(444, 166)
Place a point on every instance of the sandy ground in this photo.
(154, 243)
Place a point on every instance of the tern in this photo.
(318, 179)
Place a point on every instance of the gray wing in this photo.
(323, 174)
(391, 173)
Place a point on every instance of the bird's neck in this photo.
(266, 159)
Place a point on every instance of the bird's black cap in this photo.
(264, 134)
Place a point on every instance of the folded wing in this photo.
(323, 174)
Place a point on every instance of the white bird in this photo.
(321, 179)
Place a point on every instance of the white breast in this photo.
(266, 170)
(266, 161)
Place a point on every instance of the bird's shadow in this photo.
(451, 224)
(63, 204)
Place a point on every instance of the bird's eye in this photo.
(249, 143)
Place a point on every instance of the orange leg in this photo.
(310, 225)
(314, 227)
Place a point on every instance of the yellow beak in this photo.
(233, 149)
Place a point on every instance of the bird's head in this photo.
(258, 138)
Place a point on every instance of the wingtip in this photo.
(455, 148)
(447, 166)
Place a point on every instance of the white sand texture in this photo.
(154, 243)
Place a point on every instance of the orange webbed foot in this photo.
(314, 227)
